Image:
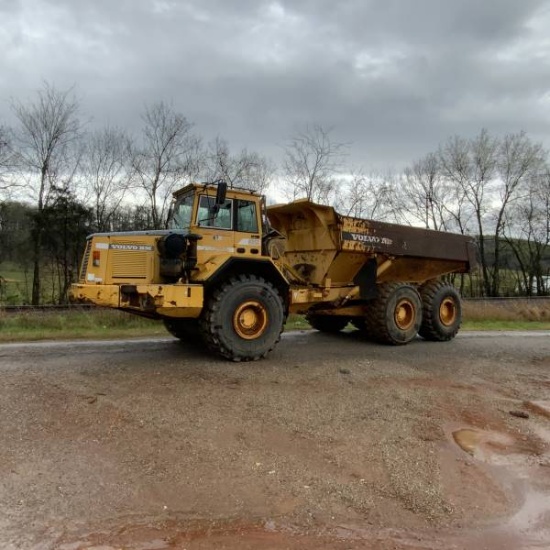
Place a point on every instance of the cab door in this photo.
(247, 228)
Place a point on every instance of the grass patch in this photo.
(296, 322)
(103, 324)
(505, 325)
(111, 324)
(90, 323)
(506, 315)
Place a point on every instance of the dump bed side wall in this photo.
(309, 226)
(397, 240)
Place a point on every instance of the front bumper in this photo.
(176, 300)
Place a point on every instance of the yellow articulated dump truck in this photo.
(230, 270)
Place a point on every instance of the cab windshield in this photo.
(181, 216)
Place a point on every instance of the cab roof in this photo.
(209, 188)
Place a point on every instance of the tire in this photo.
(395, 316)
(327, 323)
(186, 330)
(243, 318)
(441, 311)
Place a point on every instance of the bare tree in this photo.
(424, 192)
(312, 161)
(105, 168)
(166, 159)
(246, 169)
(488, 175)
(519, 162)
(471, 165)
(45, 140)
(7, 160)
(526, 229)
(370, 196)
(432, 190)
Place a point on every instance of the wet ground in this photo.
(331, 443)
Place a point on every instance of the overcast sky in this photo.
(393, 77)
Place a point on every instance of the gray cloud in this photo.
(394, 78)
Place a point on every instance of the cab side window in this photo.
(224, 218)
(247, 221)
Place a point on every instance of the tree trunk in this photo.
(36, 287)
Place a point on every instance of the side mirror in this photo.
(221, 192)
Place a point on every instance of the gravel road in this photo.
(331, 442)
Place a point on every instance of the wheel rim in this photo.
(250, 320)
(447, 312)
(405, 314)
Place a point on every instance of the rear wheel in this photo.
(327, 323)
(442, 311)
(243, 319)
(395, 316)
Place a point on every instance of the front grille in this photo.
(85, 261)
(129, 265)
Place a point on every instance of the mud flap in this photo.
(366, 280)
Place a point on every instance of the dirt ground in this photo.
(330, 443)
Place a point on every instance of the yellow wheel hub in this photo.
(250, 320)
(405, 314)
(447, 312)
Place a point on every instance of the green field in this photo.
(110, 324)
(15, 284)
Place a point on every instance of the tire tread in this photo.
(429, 329)
(376, 322)
(211, 330)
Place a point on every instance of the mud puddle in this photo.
(515, 463)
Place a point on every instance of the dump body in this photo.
(322, 246)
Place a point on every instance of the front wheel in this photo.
(442, 311)
(394, 317)
(243, 319)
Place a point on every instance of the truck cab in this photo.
(229, 221)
